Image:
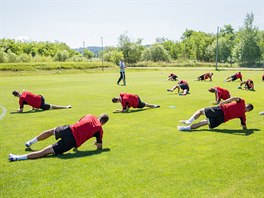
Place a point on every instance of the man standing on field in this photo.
(71, 136)
(130, 100)
(34, 100)
(122, 67)
(228, 109)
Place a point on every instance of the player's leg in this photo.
(195, 116)
(44, 135)
(59, 107)
(34, 155)
(193, 126)
(173, 88)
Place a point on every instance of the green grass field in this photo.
(145, 155)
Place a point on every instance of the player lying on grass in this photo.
(131, 100)
(35, 101)
(248, 85)
(183, 85)
(172, 77)
(237, 75)
(220, 93)
(71, 136)
(205, 76)
(228, 109)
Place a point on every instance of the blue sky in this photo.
(75, 22)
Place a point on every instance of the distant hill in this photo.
(95, 49)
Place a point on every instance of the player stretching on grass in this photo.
(248, 85)
(71, 136)
(172, 77)
(205, 76)
(131, 100)
(34, 100)
(234, 77)
(183, 85)
(220, 93)
(228, 109)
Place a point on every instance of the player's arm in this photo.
(98, 142)
(229, 100)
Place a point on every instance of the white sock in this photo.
(191, 120)
(30, 142)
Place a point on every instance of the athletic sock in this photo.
(30, 142)
(190, 120)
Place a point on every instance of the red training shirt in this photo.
(238, 75)
(183, 82)
(221, 93)
(86, 128)
(234, 110)
(129, 100)
(31, 99)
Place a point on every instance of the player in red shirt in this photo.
(172, 77)
(183, 85)
(205, 76)
(71, 136)
(228, 109)
(237, 75)
(35, 101)
(248, 85)
(130, 100)
(220, 93)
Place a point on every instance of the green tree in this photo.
(131, 50)
(88, 54)
(112, 54)
(156, 53)
(247, 50)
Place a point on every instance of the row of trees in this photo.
(245, 47)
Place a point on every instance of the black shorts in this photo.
(233, 78)
(201, 77)
(43, 105)
(215, 116)
(66, 141)
(184, 86)
(140, 104)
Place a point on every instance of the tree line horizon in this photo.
(244, 47)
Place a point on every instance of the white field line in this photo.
(3, 112)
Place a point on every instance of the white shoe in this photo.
(28, 144)
(12, 157)
(183, 128)
(69, 106)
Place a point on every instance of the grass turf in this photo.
(145, 155)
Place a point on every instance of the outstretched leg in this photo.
(193, 126)
(195, 116)
(151, 105)
(44, 135)
(34, 155)
(59, 107)
(173, 88)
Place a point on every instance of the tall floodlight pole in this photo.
(83, 47)
(216, 53)
(102, 44)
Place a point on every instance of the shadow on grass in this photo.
(134, 110)
(81, 153)
(30, 111)
(246, 132)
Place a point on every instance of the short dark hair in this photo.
(103, 118)
(250, 106)
(212, 90)
(15, 93)
(114, 100)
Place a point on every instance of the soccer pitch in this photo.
(144, 154)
